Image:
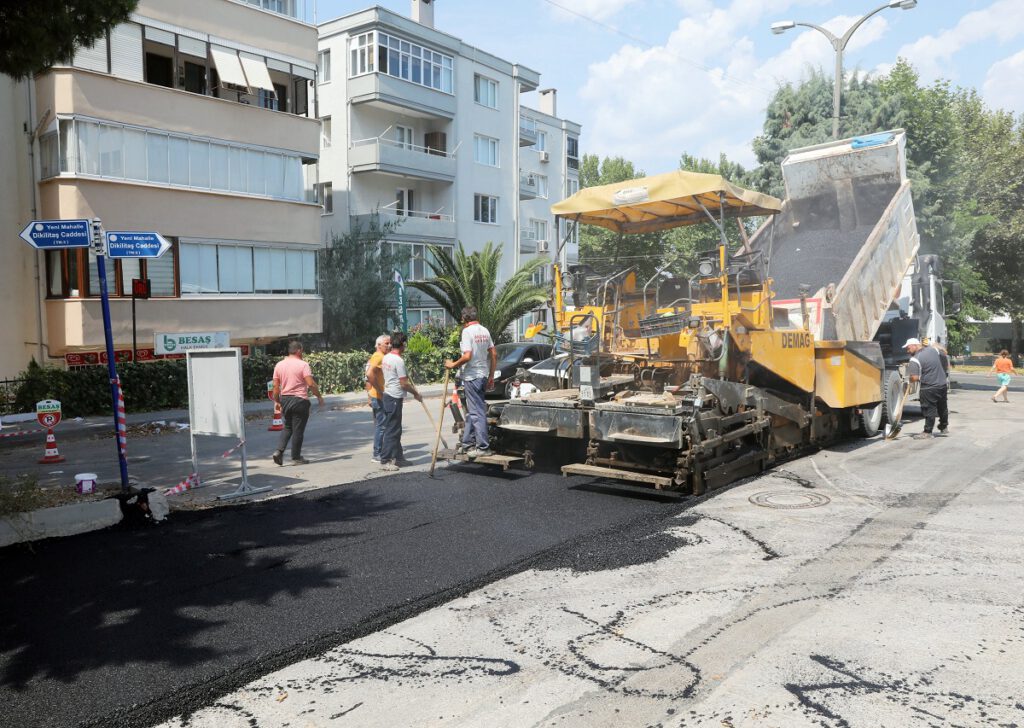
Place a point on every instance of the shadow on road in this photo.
(76, 606)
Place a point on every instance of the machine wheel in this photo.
(869, 421)
(891, 393)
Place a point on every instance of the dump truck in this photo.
(847, 238)
(688, 392)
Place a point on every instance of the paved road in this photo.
(875, 585)
(169, 617)
(486, 600)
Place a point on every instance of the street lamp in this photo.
(839, 44)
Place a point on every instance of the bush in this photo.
(164, 384)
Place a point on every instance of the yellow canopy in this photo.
(664, 201)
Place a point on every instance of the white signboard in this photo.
(181, 342)
(215, 392)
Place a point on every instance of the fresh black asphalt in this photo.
(128, 628)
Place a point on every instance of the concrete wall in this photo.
(237, 22)
(77, 324)
(179, 212)
(19, 326)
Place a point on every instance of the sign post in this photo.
(402, 306)
(115, 384)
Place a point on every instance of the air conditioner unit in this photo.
(542, 246)
(545, 157)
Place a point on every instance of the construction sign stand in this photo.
(48, 416)
(215, 398)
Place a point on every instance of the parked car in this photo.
(511, 357)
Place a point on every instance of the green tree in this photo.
(357, 285)
(38, 34)
(462, 279)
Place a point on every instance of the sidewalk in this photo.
(100, 425)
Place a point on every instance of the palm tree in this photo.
(472, 280)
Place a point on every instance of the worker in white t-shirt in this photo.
(396, 385)
(478, 361)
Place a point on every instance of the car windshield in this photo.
(510, 351)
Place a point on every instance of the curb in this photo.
(66, 520)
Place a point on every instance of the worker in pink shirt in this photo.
(293, 380)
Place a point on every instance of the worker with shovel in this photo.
(480, 359)
(929, 366)
(396, 385)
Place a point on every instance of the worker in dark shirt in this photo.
(930, 366)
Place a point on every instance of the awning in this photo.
(664, 201)
(257, 73)
(228, 67)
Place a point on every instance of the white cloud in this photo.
(705, 89)
(932, 55)
(1004, 84)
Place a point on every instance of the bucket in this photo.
(85, 483)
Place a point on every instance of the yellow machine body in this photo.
(848, 373)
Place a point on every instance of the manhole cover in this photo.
(788, 499)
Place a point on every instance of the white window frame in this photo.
(541, 145)
(323, 65)
(485, 206)
(485, 91)
(405, 199)
(542, 184)
(486, 151)
(380, 52)
(405, 136)
(326, 131)
(326, 197)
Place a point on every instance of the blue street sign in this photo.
(136, 245)
(57, 234)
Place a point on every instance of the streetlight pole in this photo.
(839, 45)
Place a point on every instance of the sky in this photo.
(651, 79)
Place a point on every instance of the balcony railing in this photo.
(378, 154)
(527, 132)
(528, 186)
(414, 223)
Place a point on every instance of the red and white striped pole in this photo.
(122, 422)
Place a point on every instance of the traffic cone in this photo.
(52, 455)
(276, 424)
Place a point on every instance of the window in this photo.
(323, 64)
(542, 185)
(485, 208)
(485, 150)
(327, 197)
(384, 53)
(404, 136)
(540, 229)
(71, 274)
(325, 131)
(416, 256)
(195, 78)
(541, 145)
(572, 186)
(132, 153)
(49, 155)
(237, 268)
(572, 152)
(404, 201)
(485, 91)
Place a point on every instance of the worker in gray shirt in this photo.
(930, 366)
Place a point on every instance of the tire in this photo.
(508, 389)
(869, 421)
(891, 393)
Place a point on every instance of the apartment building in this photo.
(436, 135)
(196, 119)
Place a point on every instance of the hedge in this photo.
(163, 384)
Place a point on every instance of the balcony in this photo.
(68, 91)
(529, 188)
(434, 227)
(527, 242)
(393, 95)
(77, 324)
(527, 132)
(406, 160)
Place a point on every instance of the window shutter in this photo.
(126, 51)
(92, 58)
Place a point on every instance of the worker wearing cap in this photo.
(479, 359)
(930, 366)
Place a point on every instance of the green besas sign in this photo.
(178, 343)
